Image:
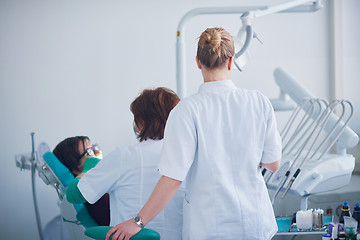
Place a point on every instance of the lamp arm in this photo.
(285, 6)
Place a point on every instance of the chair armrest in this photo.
(84, 217)
(100, 232)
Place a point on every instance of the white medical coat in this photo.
(216, 139)
(129, 175)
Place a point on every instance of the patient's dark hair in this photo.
(151, 110)
(67, 151)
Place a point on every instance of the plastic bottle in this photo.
(356, 215)
(342, 236)
(345, 211)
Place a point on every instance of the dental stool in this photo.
(76, 217)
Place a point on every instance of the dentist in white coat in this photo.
(129, 174)
(216, 140)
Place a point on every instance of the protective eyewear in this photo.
(90, 151)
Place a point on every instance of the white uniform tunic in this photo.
(216, 139)
(129, 175)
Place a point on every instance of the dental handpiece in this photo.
(267, 178)
(280, 186)
(291, 182)
(263, 172)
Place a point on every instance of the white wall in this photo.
(351, 66)
(73, 67)
(351, 38)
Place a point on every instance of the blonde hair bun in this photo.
(215, 47)
(213, 40)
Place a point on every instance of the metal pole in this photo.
(33, 168)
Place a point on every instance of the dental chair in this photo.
(76, 218)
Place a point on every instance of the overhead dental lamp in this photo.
(241, 50)
(241, 54)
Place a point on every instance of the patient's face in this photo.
(82, 149)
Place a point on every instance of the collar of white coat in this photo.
(216, 86)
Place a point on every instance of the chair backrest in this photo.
(52, 171)
(61, 172)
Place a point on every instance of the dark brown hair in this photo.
(215, 47)
(151, 110)
(67, 151)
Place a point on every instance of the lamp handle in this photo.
(249, 35)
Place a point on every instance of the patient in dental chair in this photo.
(73, 152)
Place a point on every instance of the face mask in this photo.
(90, 151)
(135, 131)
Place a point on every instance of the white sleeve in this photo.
(100, 179)
(179, 144)
(272, 145)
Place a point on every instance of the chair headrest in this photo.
(59, 169)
